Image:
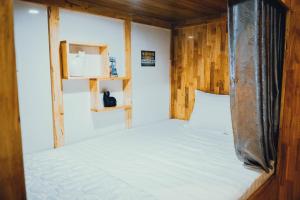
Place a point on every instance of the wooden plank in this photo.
(95, 94)
(268, 191)
(12, 183)
(289, 151)
(100, 78)
(108, 109)
(200, 62)
(64, 49)
(98, 9)
(286, 185)
(200, 20)
(286, 3)
(157, 13)
(56, 79)
(127, 84)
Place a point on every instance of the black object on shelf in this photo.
(109, 101)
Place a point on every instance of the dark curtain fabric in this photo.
(256, 41)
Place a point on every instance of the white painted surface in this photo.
(87, 28)
(150, 85)
(32, 54)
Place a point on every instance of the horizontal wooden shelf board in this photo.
(85, 44)
(107, 109)
(100, 78)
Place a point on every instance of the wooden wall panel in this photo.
(200, 61)
(287, 181)
(12, 186)
(289, 145)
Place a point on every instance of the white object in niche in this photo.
(83, 64)
(93, 65)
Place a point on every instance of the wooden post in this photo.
(12, 184)
(127, 82)
(56, 80)
(288, 169)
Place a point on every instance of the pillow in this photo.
(211, 112)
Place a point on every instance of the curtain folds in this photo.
(256, 42)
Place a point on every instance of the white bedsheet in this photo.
(162, 161)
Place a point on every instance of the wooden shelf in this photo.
(107, 109)
(100, 78)
(69, 53)
(68, 49)
(95, 95)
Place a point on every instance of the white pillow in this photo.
(211, 112)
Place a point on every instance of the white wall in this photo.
(150, 85)
(32, 54)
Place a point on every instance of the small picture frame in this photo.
(147, 58)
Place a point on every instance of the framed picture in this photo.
(148, 58)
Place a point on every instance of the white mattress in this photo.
(162, 161)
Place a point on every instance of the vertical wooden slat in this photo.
(127, 83)
(64, 49)
(12, 184)
(56, 79)
(95, 94)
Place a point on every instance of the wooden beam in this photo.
(56, 79)
(127, 84)
(289, 143)
(89, 7)
(12, 184)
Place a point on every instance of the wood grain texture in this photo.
(289, 145)
(200, 61)
(95, 94)
(268, 191)
(12, 184)
(127, 83)
(286, 185)
(56, 77)
(164, 13)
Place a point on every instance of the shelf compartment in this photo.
(68, 49)
(96, 100)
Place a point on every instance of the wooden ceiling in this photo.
(165, 13)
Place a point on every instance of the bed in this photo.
(161, 161)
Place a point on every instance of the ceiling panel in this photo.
(168, 10)
(165, 13)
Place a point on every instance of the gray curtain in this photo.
(256, 42)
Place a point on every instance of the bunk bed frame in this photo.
(284, 184)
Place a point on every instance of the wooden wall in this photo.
(286, 184)
(12, 186)
(289, 154)
(200, 61)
